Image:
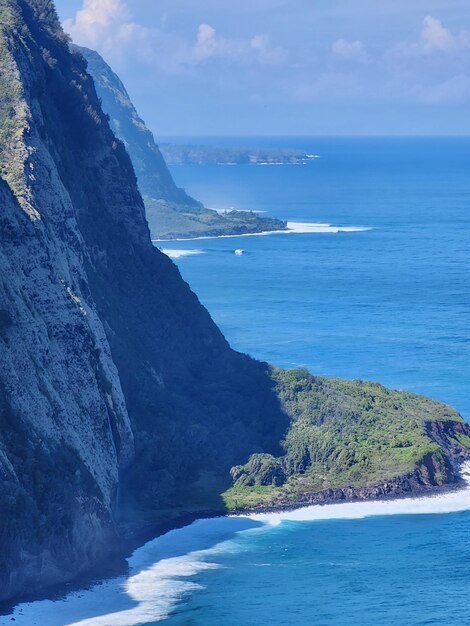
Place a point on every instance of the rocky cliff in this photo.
(155, 180)
(171, 213)
(100, 337)
(120, 400)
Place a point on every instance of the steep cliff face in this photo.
(84, 295)
(171, 213)
(155, 180)
(65, 430)
(120, 400)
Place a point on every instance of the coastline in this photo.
(421, 482)
(159, 572)
(435, 500)
(293, 228)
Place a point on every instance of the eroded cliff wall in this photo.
(115, 385)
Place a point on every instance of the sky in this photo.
(286, 67)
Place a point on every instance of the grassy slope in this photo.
(342, 433)
(169, 221)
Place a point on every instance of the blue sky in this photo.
(277, 67)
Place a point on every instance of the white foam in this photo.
(155, 591)
(160, 570)
(293, 228)
(158, 580)
(307, 227)
(176, 254)
(449, 502)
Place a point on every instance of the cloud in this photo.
(350, 51)
(434, 36)
(432, 69)
(209, 45)
(434, 39)
(109, 27)
(266, 51)
(206, 45)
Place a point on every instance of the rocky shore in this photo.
(431, 477)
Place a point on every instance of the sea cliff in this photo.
(121, 403)
(171, 212)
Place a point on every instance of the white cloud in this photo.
(350, 51)
(210, 45)
(434, 36)
(107, 25)
(267, 52)
(432, 69)
(206, 44)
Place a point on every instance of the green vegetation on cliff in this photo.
(345, 434)
(174, 221)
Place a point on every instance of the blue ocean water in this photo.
(397, 571)
(390, 304)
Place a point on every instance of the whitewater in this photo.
(161, 572)
(389, 304)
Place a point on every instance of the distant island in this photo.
(175, 154)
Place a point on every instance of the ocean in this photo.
(378, 288)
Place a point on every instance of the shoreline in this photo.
(336, 497)
(159, 566)
(419, 483)
(414, 503)
(293, 228)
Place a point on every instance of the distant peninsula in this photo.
(187, 222)
(171, 212)
(175, 154)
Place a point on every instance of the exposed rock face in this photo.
(65, 429)
(154, 176)
(171, 213)
(119, 397)
(99, 334)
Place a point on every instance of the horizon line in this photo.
(331, 136)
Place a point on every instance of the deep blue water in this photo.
(391, 304)
(396, 571)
